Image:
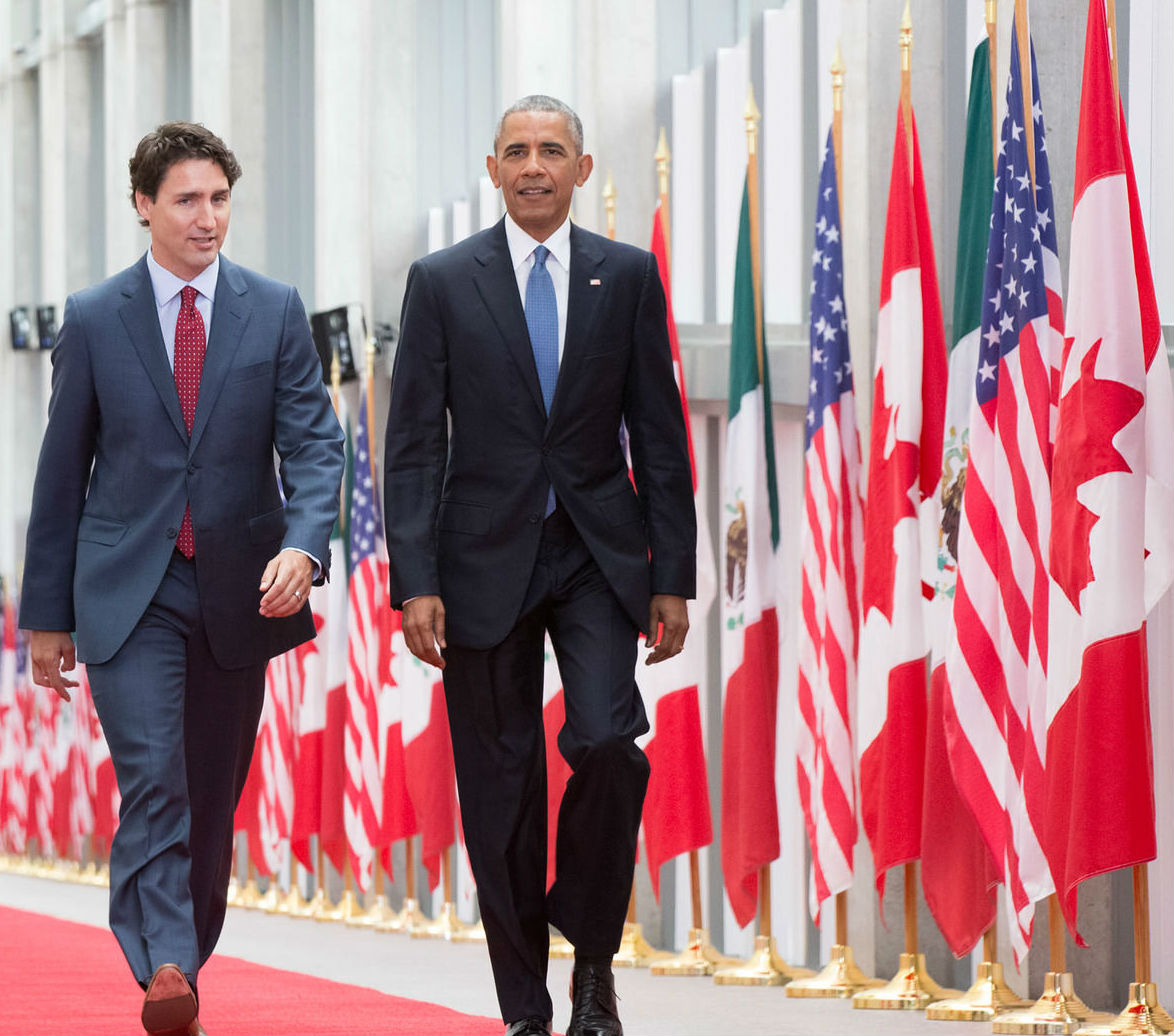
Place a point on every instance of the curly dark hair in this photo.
(175, 142)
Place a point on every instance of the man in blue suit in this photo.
(159, 534)
(524, 350)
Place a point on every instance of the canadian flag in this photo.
(901, 520)
(1112, 543)
(558, 770)
(676, 807)
(429, 777)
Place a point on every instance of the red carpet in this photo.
(61, 978)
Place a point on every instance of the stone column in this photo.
(135, 41)
(228, 96)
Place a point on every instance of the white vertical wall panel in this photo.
(789, 909)
(436, 229)
(729, 138)
(782, 174)
(828, 22)
(538, 47)
(1151, 135)
(488, 203)
(342, 115)
(687, 199)
(462, 223)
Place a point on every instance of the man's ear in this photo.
(586, 164)
(491, 166)
(143, 204)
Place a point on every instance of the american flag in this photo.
(831, 545)
(998, 666)
(369, 674)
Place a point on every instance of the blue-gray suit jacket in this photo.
(117, 466)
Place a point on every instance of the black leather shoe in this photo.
(593, 1003)
(529, 1027)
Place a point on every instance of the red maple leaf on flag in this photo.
(891, 479)
(1092, 413)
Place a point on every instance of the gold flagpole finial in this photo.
(906, 38)
(838, 120)
(609, 205)
(663, 156)
(837, 71)
(751, 116)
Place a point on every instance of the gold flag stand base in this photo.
(295, 904)
(560, 947)
(635, 951)
(410, 918)
(989, 996)
(911, 989)
(839, 978)
(92, 874)
(248, 896)
(348, 907)
(378, 916)
(764, 968)
(1058, 1010)
(1143, 1014)
(447, 926)
(698, 958)
(318, 906)
(270, 902)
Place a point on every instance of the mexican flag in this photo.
(750, 629)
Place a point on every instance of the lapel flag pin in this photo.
(595, 282)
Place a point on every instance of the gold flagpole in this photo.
(992, 35)
(410, 918)
(609, 205)
(911, 988)
(840, 977)
(765, 967)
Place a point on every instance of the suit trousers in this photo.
(494, 701)
(181, 732)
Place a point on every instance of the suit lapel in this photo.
(498, 287)
(586, 292)
(230, 314)
(140, 317)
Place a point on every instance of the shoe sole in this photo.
(170, 1004)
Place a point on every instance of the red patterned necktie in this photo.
(190, 346)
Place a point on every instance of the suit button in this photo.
(546, 451)
(533, 519)
(191, 469)
(172, 533)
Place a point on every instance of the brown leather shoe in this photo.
(169, 1008)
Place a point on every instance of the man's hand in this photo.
(52, 654)
(286, 584)
(668, 622)
(424, 628)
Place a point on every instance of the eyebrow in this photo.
(542, 143)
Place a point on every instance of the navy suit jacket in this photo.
(117, 466)
(464, 506)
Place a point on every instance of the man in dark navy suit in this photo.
(524, 352)
(159, 534)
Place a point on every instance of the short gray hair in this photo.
(542, 103)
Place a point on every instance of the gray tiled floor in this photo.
(458, 975)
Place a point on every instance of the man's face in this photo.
(188, 216)
(537, 168)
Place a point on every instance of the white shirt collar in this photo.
(522, 244)
(167, 285)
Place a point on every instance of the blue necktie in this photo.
(542, 320)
